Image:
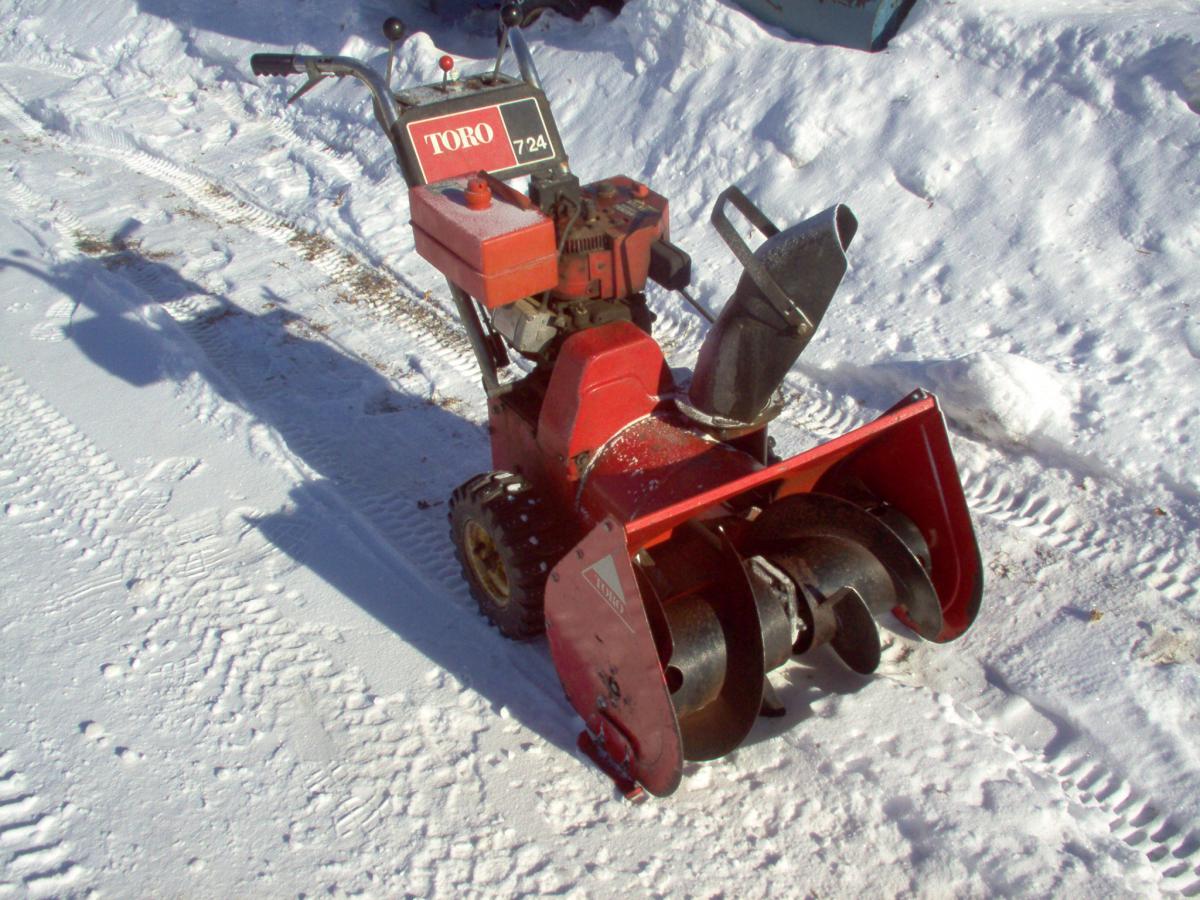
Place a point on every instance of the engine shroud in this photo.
(607, 241)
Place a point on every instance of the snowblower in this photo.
(646, 525)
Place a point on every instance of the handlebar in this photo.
(274, 64)
(387, 112)
(317, 67)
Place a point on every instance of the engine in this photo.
(564, 258)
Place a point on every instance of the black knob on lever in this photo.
(394, 29)
(511, 15)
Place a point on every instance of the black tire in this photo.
(575, 9)
(507, 540)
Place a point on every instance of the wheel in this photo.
(575, 9)
(506, 540)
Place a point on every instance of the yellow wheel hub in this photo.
(485, 562)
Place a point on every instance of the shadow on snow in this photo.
(371, 522)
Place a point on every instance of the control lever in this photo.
(314, 78)
(510, 17)
(395, 31)
(446, 64)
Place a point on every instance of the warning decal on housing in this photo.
(606, 581)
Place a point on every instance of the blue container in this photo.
(861, 24)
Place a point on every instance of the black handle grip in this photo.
(273, 64)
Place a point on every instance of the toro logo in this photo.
(604, 579)
(463, 136)
(464, 142)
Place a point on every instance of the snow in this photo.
(238, 658)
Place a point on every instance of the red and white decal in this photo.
(469, 141)
(604, 579)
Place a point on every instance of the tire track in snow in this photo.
(1037, 512)
(35, 852)
(235, 103)
(387, 295)
(1161, 563)
(227, 666)
(813, 408)
(1171, 848)
(393, 512)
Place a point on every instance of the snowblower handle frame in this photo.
(783, 304)
(387, 114)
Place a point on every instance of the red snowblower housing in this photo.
(644, 522)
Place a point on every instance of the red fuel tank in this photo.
(503, 246)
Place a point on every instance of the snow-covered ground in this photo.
(238, 658)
